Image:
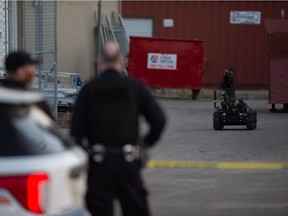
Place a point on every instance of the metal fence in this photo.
(39, 37)
(3, 34)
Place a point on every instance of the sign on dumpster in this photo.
(162, 61)
(167, 63)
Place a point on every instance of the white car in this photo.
(2, 74)
(41, 173)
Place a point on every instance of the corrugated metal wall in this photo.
(241, 45)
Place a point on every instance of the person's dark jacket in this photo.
(148, 108)
(22, 87)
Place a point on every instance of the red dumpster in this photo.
(167, 63)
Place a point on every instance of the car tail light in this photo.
(27, 190)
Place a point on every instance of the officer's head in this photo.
(21, 67)
(111, 57)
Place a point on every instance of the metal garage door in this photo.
(138, 27)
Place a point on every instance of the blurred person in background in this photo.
(20, 72)
(106, 115)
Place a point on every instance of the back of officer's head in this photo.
(111, 57)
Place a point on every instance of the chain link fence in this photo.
(39, 37)
(3, 35)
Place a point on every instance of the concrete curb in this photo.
(209, 94)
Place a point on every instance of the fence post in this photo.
(55, 62)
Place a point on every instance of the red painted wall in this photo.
(243, 46)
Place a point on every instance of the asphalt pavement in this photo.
(240, 192)
(189, 136)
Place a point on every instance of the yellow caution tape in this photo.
(216, 165)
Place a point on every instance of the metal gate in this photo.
(39, 37)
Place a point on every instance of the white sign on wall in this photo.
(168, 22)
(245, 17)
(162, 61)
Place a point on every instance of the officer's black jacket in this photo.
(22, 87)
(147, 107)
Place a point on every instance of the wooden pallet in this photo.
(64, 119)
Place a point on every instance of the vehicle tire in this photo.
(216, 120)
(218, 126)
(252, 123)
(195, 93)
(251, 126)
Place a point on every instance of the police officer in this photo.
(106, 114)
(20, 73)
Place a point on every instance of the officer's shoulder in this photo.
(136, 83)
(89, 84)
(86, 88)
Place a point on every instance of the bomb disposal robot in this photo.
(231, 113)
